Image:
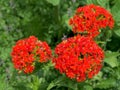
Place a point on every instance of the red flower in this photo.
(89, 19)
(27, 51)
(78, 57)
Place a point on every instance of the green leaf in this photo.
(65, 20)
(62, 81)
(104, 84)
(54, 83)
(116, 11)
(117, 31)
(88, 87)
(35, 84)
(111, 58)
(98, 76)
(103, 3)
(2, 84)
(51, 85)
(90, 1)
(54, 2)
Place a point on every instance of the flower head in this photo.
(89, 19)
(79, 57)
(28, 51)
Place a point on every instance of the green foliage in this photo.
(7, 39)
(103, 3)
(116, 14)
(105, 84)
(54, 2)
(115, 11)
(48, 20)
(111, 58)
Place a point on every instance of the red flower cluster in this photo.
(89, 19)
(27, 51)
(79, 57)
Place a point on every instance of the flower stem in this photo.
(76, 86)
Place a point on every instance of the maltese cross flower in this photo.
(27, 52)
(79, 57)
(89, 19)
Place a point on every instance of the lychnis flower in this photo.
(27, 52)
(79, 57)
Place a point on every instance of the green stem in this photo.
(76, 86)
(57, 14)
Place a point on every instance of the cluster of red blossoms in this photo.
(89, 19)
(78, 57)
(28, 51)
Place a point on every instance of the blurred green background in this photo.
(48, 20)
